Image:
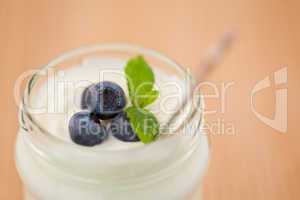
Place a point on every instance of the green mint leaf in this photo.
(144, 123)
(148, 98)
(140, 81)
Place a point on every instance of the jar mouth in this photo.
(33, 123)
(46, 139)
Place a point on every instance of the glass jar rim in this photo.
(86, 49)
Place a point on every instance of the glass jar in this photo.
(170, 168)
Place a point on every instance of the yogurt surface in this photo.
(62, 92)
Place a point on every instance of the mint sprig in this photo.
(140, 82)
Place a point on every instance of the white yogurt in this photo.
(170, 168)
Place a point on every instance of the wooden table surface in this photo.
(256, 162)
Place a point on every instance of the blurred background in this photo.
(256, 161)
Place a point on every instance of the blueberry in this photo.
(121, 129)
(106, 99)
(86, 130)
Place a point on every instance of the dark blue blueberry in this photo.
(86, 130)
(120, 128)
(105, 99)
